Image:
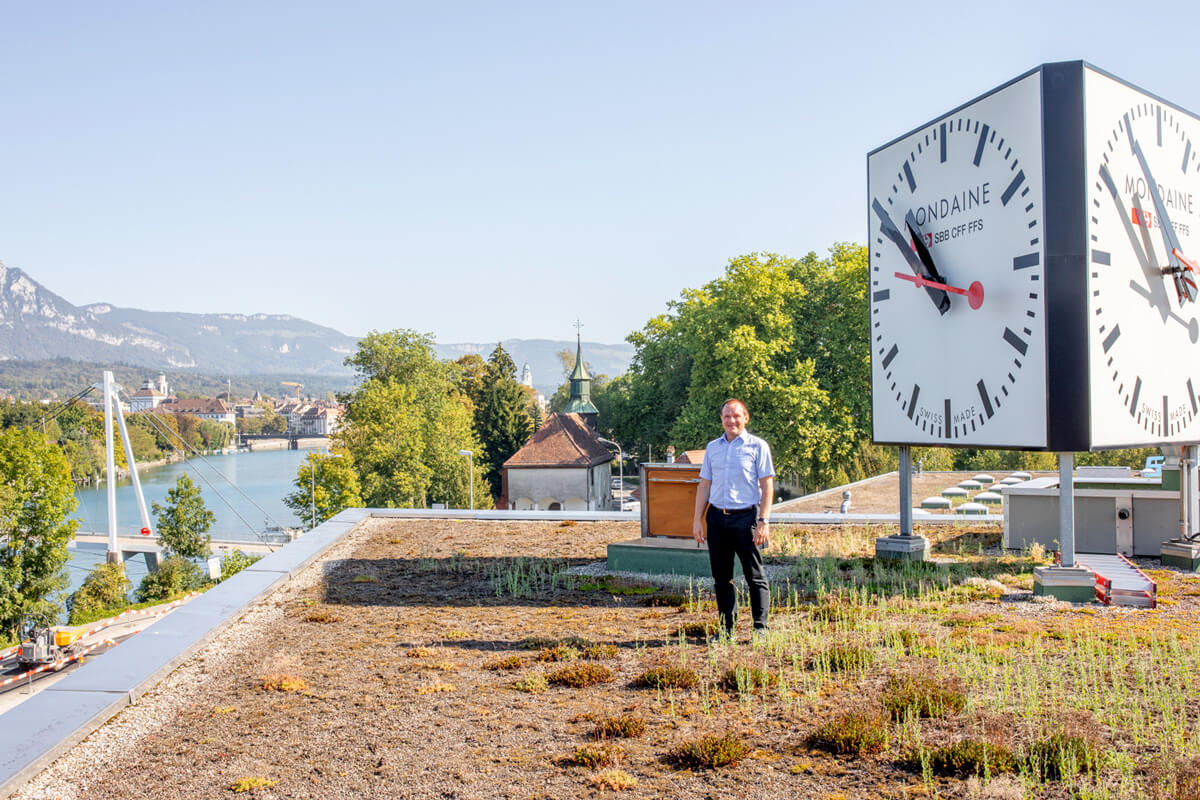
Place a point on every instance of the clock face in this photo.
(1143, 173)
(957, 300)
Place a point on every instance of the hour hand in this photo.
(940, 299)
(922, 251)
(1179, 268)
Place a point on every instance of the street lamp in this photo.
(470, 475)
(620, 471)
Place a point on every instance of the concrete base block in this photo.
(902, 548)
(660, 556)
(1072, 584)
(1184, 555)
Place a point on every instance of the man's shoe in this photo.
(759, 636)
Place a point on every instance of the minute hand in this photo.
(940, 299)
(1184, 288)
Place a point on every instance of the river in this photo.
(265, 477)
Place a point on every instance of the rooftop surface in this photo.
(408, 662)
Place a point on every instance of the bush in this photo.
(174, 576)
(853, 733)
(923, 696)
(615, 779)
(697, 630)
(709, 752)
(534, 684)
(964, 758)
(622, 727)
(580, 675)
(280, 682)
(235, 562)
(667, 678)
(105, 592)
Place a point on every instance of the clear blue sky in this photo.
(485, 170)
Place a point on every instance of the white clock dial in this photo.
(957, 296)
(1143, 169)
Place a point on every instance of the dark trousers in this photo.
(730, 534)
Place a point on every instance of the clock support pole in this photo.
(1184, 552)
(904, 546)
(1066, 580)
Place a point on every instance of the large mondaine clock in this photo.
(957, 307)
(1033, 270)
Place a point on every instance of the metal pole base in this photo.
(1180, 554)
(114, 558)
(902, 548)
(1072, 584)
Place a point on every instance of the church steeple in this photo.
(581, 385)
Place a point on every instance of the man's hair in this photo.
(739, 402)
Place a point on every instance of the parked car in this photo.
(1153, 468)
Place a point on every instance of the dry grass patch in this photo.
(506, 663)
(963, 758)
(857, 733)
(843, 658)
(919, 695)
(746, 678)
(667, 678)
(280, 682)
(435, 688)
(625, 726)
(613, 779)
(697, 630)
(599, 652)
(534, 684)
(321, 615)
(709, 752)
(559, 652)
(250, 783)
(578, 676)
(595, 756)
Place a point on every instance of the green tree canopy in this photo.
(779, 333)
(405, 423)
(327, 483)
(502, 419)
(36, 496)
(184, 520)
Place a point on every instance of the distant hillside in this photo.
(47, 344)
(36, 323)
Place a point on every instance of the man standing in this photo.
(737, 484)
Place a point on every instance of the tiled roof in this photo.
(564, 441)
(201, 405)
(691, 457)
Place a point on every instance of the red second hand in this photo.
(974, 292)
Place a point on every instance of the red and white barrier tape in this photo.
(62, 662)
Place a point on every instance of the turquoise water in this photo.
(264, 476)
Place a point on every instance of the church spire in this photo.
(581, 384)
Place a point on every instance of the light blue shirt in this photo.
(735, 468)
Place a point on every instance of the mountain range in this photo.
(36, 323)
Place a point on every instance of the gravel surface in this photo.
(377, 672)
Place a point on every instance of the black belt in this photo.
(731, 511)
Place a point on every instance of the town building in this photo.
(564, 466)
(149, 397)
(202, 407)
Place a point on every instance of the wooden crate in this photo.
(669, 499)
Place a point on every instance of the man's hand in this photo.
(698, 531)
(762, 533)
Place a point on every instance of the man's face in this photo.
(734, 419)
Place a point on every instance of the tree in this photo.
(327, 483)
(502, 420)
(174, 576)
(36, 497)
(184, 521)
(105, 591)
(405, 423)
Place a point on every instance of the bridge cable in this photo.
(168, 433)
